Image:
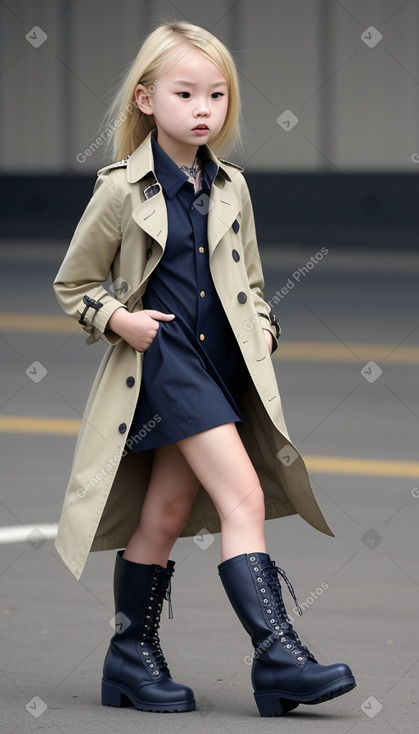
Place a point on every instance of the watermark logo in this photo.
(371, 706)
(36, 707)
(36, 538)
(371, 36)
(36, 371)
(120, 622)
(120, 288)
(36, 36)
(203, 204)
(371, 371)
(287, 120)
(287, 455)
(371, 539)
(203, 539)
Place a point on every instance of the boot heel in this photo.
(270, 704)
(113, 696)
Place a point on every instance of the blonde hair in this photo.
(127, 126)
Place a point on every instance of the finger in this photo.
(160, 316)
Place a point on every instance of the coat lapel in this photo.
(223, 210)
(151, 215)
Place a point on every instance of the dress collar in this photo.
(169, 174)
(140, 163)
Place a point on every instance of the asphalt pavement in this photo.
(347, 370)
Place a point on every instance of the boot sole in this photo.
(115, 694)
(277, 703)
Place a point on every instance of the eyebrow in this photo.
(193, 84)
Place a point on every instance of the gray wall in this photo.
(357, 106)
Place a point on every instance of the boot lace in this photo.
(159, 592)
(272, 573)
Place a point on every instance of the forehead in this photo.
(188, 63)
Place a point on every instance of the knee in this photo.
(251, 507)
(166, 524)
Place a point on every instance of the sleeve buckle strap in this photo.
(272, 320)
(89, 303)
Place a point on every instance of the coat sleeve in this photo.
(88, 262)
(254, 268)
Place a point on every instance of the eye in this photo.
(217, 95)
(184, 95)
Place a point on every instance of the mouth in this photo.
(202, 126)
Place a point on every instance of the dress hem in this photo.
(190, 432)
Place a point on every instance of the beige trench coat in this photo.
(123, 234)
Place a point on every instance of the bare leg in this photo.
(166, 508)
(220, 461)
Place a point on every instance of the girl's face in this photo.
(190, 102)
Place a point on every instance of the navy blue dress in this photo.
(193, 370)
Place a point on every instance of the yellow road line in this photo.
(303, 351)
(39, 424)
(289, 351)
(363, 467)
(38, 323)
(316, 464)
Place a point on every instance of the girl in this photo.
(183, 430)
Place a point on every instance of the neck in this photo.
(180, 153)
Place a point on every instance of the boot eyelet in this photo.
(151, 665)
(272, 621)
(288, 646)
(266, 601)
(277, 627)
(259, 580)
(300, 659)
(268, 611)
(262, 590)
(252, 558)
(256, 569)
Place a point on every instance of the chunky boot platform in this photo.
(284, 672)
(135, 671)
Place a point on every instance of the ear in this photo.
(143, 99)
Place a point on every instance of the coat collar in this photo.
(151, 214)
(141, 163)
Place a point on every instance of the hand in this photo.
(138, 329)
(269, 339)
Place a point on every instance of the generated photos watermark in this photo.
(276, 634)
(295, 278)
(113, 461)
(129, 109)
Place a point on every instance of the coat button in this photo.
(202, 294)
(241, 297)
(236, 226)
(201, 250)
(202, 337)
(130, 381)
(236, 256)
(149, 253)
(122, 428)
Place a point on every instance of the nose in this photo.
(202, 109)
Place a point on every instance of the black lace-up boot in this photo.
(284, 672)
(135, 670)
